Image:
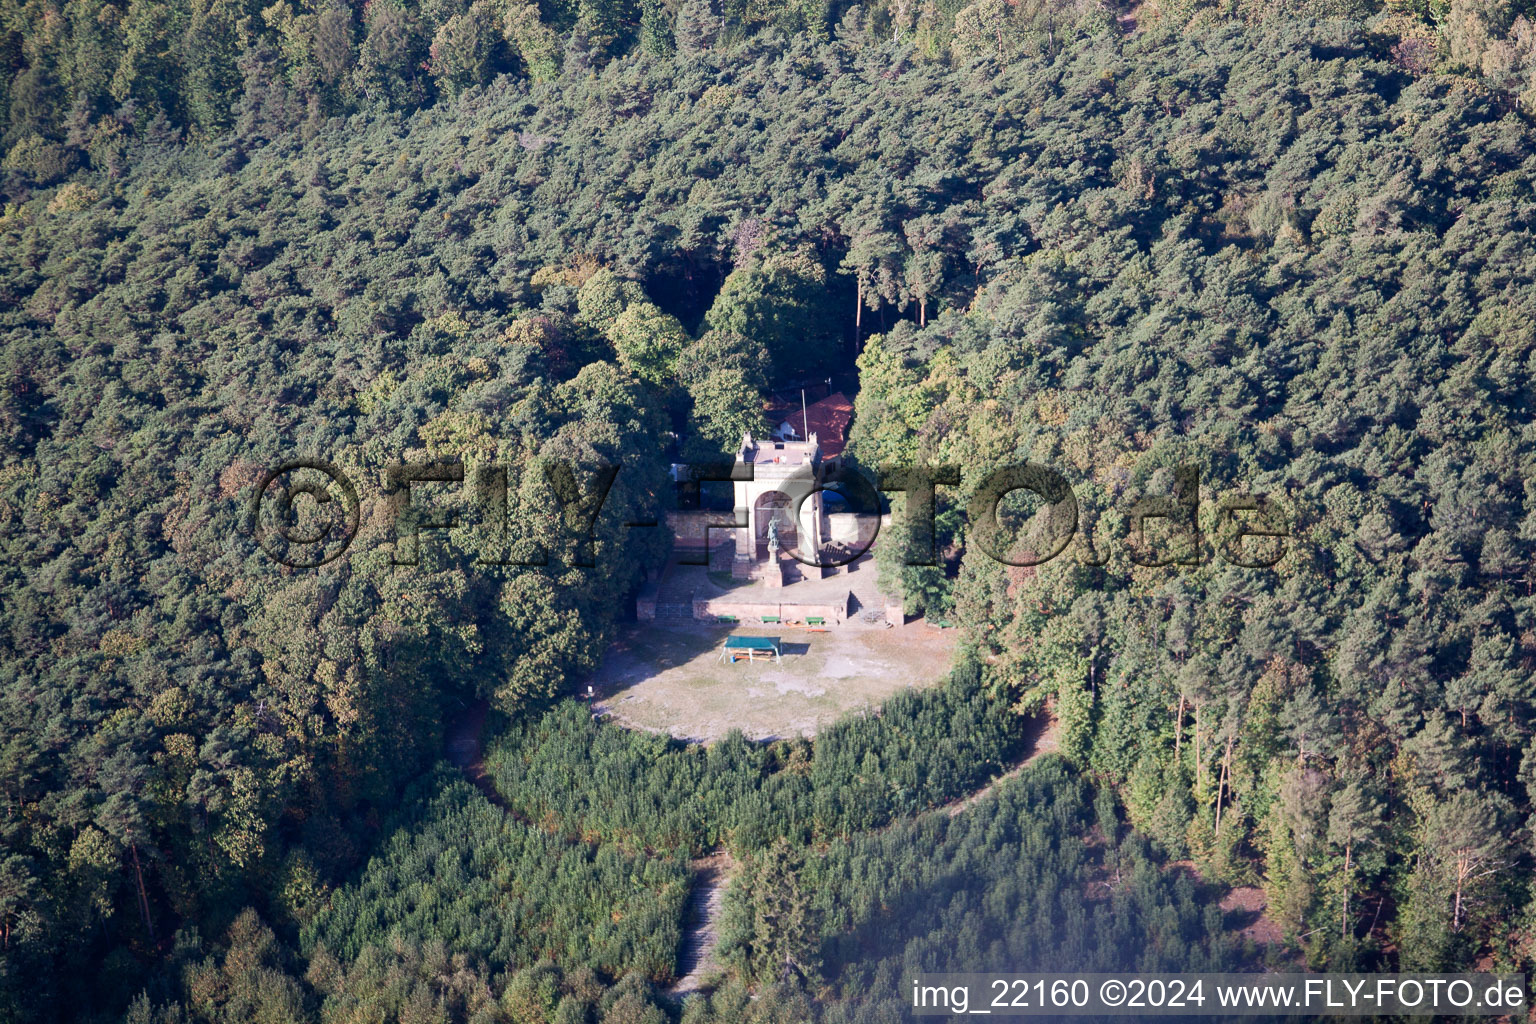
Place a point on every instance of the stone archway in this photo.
(770, 507)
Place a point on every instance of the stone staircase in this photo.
(695, 958)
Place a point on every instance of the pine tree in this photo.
(1469, 843)
(656, 29)
(698, 25)
(785, 939)
(1354, 820)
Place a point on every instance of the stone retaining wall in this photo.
(749, 611)
(688, 529)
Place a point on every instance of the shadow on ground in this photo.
(668, 677)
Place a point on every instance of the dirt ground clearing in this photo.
(667, 677)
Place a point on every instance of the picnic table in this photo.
(749, 647)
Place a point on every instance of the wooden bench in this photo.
(816, 623)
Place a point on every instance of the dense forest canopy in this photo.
(83, 78)
(1294, 253)
(1347, 330)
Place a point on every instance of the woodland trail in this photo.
(464, 745)
(713, 873)
(1043, 737)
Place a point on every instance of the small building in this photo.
(828, 419)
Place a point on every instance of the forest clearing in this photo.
(668, 678)
(327, 326)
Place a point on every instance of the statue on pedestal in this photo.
(773, 572)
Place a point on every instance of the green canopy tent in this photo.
(749, 647)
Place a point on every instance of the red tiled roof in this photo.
(829, 419)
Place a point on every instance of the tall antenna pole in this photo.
(805, 415)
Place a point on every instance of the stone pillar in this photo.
(820, 537)
(746, 538)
